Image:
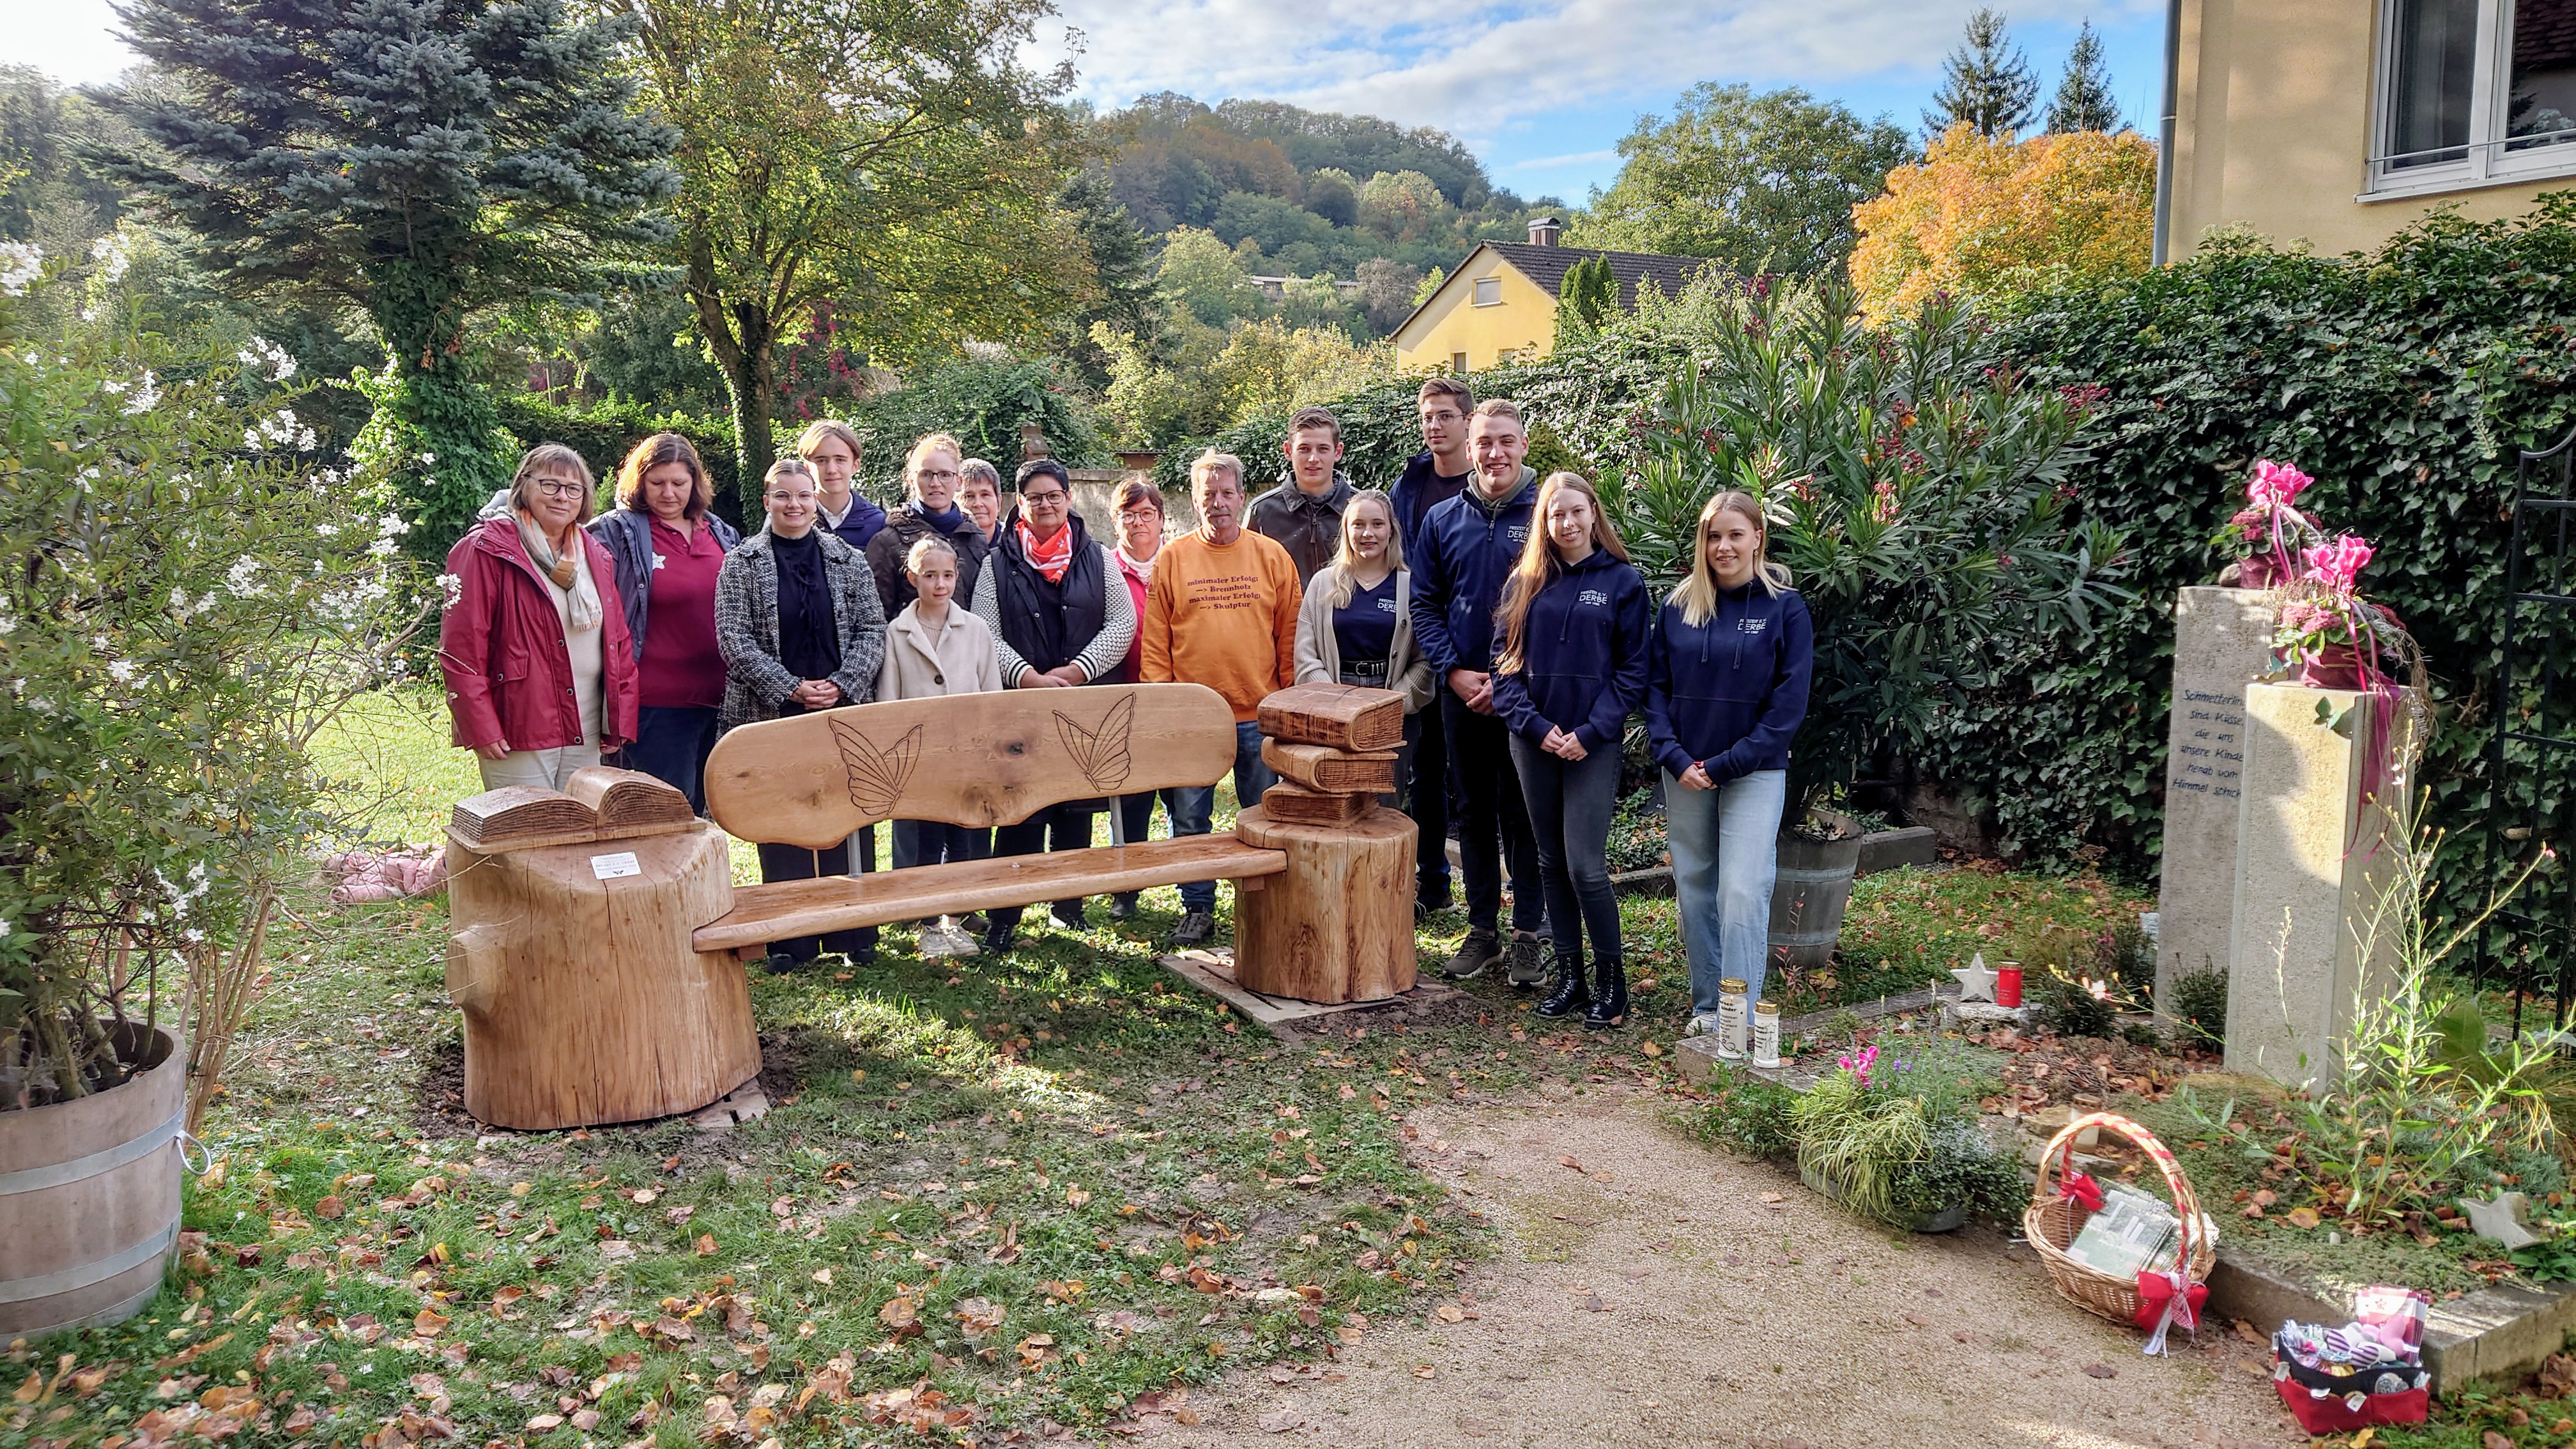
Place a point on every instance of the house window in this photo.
(2473, 91)
(1457, 364)
(1489, 291)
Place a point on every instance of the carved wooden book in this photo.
(1295, 805)
(1330, 771)
(1342, 716)
(519, 816)
(629, 802)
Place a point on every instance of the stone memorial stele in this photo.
(2313, 931)
(2222, 642)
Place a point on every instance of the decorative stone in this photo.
(1976, 983)
(2315, 861)
(2222, 640)
(2501, 1219)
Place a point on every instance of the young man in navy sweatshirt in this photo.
(1468, 545)
(1432, 477)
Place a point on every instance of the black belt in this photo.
(1368, 673)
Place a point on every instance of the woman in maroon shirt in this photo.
(667, 549)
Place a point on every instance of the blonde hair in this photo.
(922, 448)
(822, 428)
(547, 458)
(1213, 461)
(652, 453)
(1494, 407)
(1697, 594)
(782, 468)
(922, 548)
(1346, 558)
(1538, 565)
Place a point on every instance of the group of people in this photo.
(1502, 606)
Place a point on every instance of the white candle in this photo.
(1766, 1034)
(1731, 1025)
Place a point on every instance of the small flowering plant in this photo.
(192, 594)
(2269, 532)
(2325, 623)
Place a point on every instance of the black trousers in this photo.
(1426, 789)
(1057, 827)
(1494, 826)
(795, 862)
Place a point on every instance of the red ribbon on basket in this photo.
(2081, 1190)
(2164, 1302)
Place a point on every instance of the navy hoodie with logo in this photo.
(1468, 546)
(1728, 695)
(1584, 651)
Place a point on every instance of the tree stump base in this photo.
(584, 1002)
(1338, 925)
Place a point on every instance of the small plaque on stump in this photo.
(1296, 805)
(1331, 771)
(1343, 716)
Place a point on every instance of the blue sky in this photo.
(1541, 89)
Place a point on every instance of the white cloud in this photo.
(1481, 67)
(1579, 158)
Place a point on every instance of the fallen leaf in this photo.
(2304, 1217)
(823, 1276)
(1774, 1197)
(1652, 1050)
(706, 1245)
(2101, 1371)
(2493, 1440)
(428, 1322)
(1563, 1161)
(1280, 1421)
(1450, 1313)
(329, 1207)
(545, 1423)
(1424, 1371)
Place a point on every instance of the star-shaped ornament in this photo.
(1976, 983)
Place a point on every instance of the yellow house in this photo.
(2339, 122)
(1499, 305)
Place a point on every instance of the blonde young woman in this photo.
(540, 675)
(1726, 688)
(1574, 631)
(931, 473)
(1356, 623)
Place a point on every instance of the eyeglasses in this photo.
(791, 497)
(558, 487)
(1043, 500)
(927, 475)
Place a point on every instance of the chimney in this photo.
(1544, 230)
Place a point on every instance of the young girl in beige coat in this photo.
(936, 647)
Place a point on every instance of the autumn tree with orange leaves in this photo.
(1992, 218)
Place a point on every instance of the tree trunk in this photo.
(739, 333)
(436, 424)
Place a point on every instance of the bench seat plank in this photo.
(788, 909)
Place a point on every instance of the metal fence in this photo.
(2530, 947)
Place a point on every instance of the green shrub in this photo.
(603, 432)
(2069, 1005)
(2200, 1008)
(983, 403)
(1748, 1114)
(1961, 1166)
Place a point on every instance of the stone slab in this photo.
(2313, 865)
(2222, 641)
(2500, 1332)
(1914, 845)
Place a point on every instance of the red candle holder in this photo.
(2008, 985)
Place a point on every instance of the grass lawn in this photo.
(1907, 928)
(990, 1196)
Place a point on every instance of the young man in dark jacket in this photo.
(1468, 546)
(1440, 472)
(1061, 616)
(1304, 514)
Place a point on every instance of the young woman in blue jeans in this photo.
(1573, 627)
(1725, 691)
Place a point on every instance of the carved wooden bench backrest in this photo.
(966, 759)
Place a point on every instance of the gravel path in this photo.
(1654, 1296)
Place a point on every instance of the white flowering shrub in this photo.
(187, 594)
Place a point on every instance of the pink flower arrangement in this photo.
(2270, 525)
(2276, 485)
(2338, 564)
(1859, 1066)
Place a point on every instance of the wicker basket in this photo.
(2051, 1222)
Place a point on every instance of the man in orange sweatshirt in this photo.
(1222, 612)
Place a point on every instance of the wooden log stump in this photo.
(1338, 925)
(584, 1001)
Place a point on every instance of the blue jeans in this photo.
(671, 745)
(1569, 813)
(1726, 854)
(1193, 807)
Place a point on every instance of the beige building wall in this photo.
(1521, 325)
(2272, 130)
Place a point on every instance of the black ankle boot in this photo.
(1609, 997)
(1567, 996)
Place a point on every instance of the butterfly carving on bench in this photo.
(877, 777)
(1101, 753)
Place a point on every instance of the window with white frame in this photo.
(2474, 91)
(1489, 291)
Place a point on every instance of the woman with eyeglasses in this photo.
(929, 510)
(801, 629)
(540, 675)
(667, 549)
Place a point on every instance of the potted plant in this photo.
(1897, 1141)
(1923, 496)
(2331, 635)
(2269, 533)
(185, 599)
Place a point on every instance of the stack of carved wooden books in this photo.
(1333, 747)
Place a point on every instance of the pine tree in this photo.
(2083, 101)
(427, 161)
(1986, 83)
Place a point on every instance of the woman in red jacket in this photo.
(540, 673)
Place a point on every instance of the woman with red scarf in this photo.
(1061, 616)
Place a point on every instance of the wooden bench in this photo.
(598, 943)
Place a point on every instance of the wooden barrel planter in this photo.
(89, 1198)
(1809, 896)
